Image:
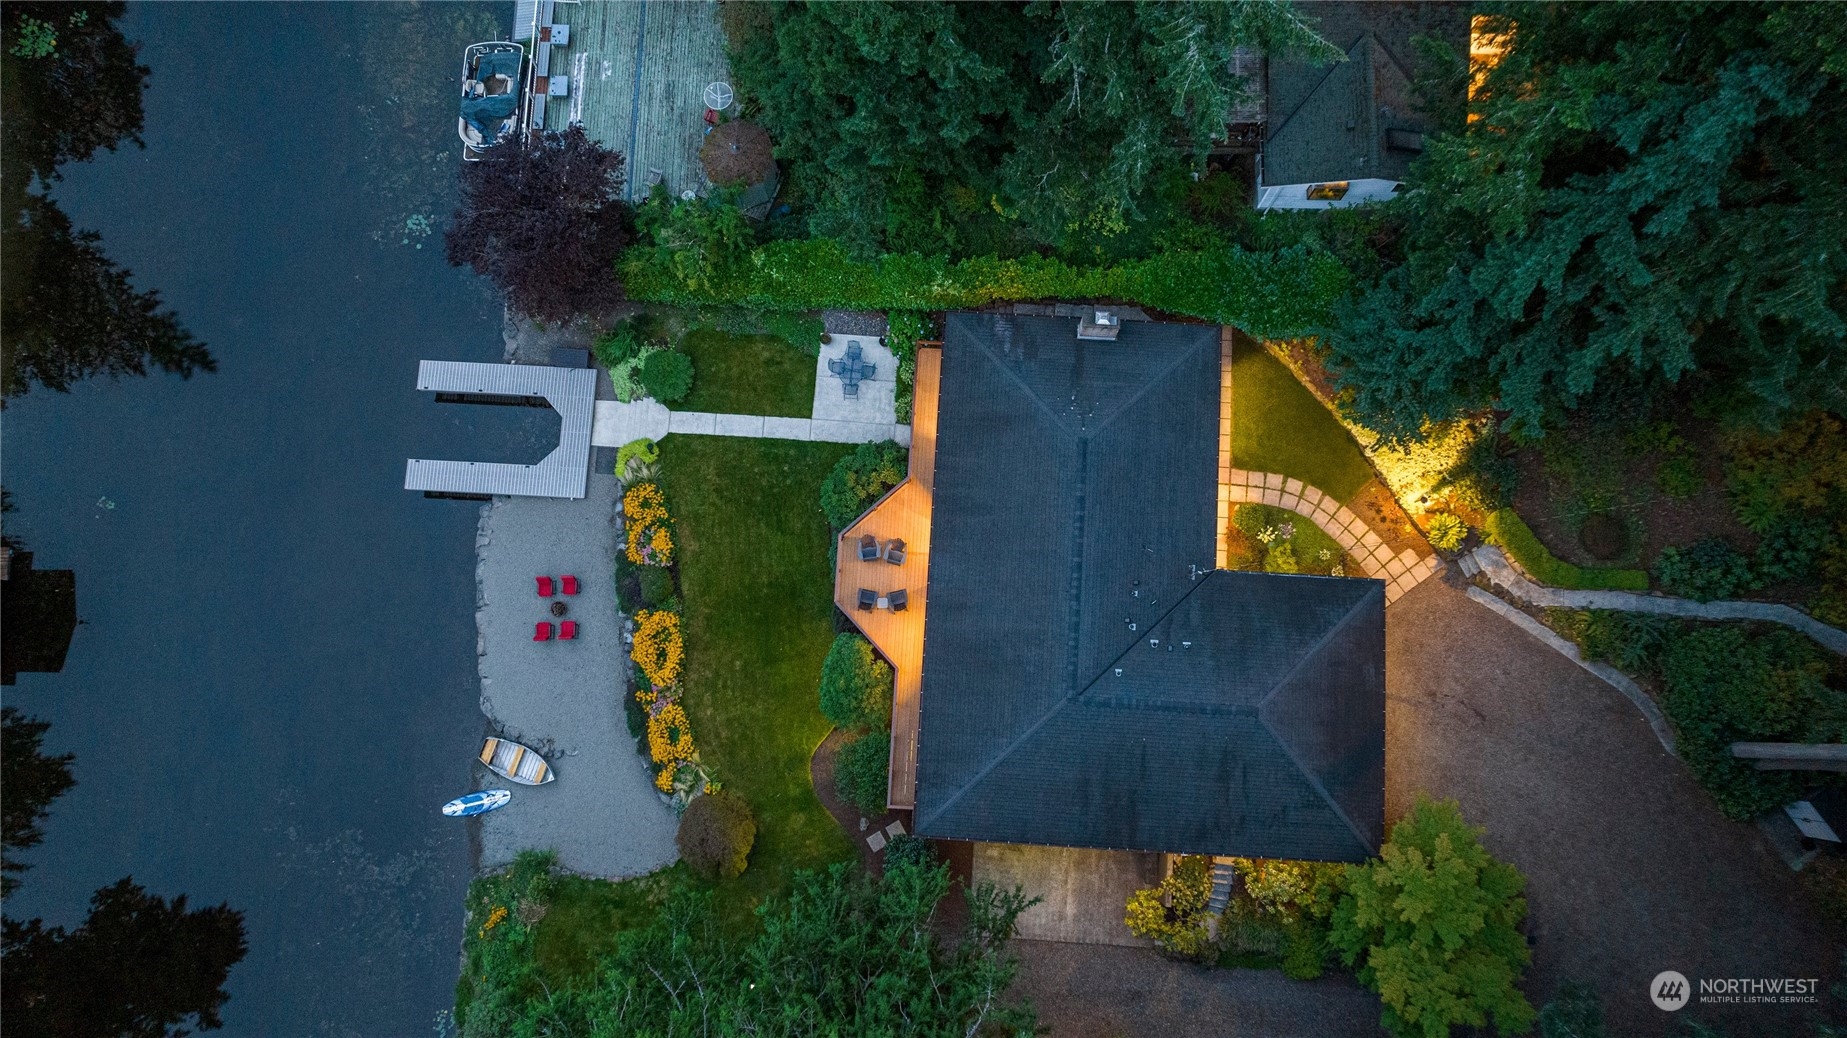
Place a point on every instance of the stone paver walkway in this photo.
(1500, 570)
(1402, 571)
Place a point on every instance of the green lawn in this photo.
(748, 374)
(1277, 425)
(759, 613)
(586, 915)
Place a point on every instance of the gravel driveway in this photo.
(1631, 869)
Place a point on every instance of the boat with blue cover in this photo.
(477, 803)
(490, 95)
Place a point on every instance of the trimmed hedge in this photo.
(1508, 530)
(1271, 294)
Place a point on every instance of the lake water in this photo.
(273, 687)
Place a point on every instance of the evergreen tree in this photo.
(1649, 191)
(29, 781)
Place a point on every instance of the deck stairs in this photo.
(1223, 878)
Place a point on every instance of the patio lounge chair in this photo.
(868, 598)
(545, 586)
(570, 584)
(567, 630)
(542, 632)
(868, 548)
(894, 551)
(898, 599)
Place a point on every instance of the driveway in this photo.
(1631, 870)
(1082, 892)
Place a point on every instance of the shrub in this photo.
(1630, 641)
(862, 771)
(1508, 530)
(656, 585)
(619, 345)
(638, 460)
(1281, 559)
(1802, 466)
(855, 684)
(1269, 294)
(1174, 914)
(667, 375)
(1706, 570)
(1432, 925)
(1242, 551)
(1447, 532)
(859, 479)
(1793, 548)
(716, 834)
(798, 330)
(1679, 476)
(1292, 901)
(1728, 684)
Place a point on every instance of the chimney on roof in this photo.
(1101, 325)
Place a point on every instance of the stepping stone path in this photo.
(880, 838)
(1401, 571)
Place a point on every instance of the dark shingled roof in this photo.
(1330, 121)
(1076, 495)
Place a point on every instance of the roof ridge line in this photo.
(1107, 667)
(1020, 383)
(1307, 773)
(1153, 380)
(1004, 753)
(1346, 55)
(1315, 649)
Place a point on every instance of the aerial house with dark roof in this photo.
(1082, 674)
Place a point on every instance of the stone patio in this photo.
(876, 402)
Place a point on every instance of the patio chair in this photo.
(849, 389)
(837, 367)
(542, 632)
(868, 598)
(866, 371)
(853, 352)
(898, 599)
(545, 586)
(868, 548)
(567, 630)
(894, 551)
(570, 584)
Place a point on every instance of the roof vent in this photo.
(1101, 325)
(1186, 645)
(1154, 643)
(1119, 672)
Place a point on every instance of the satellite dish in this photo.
(718, 96)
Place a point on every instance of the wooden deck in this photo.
(905, 514)
(638, 74)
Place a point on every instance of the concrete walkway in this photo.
(1402, 571)
(602, 814)
(1499, 569)
(617, 423)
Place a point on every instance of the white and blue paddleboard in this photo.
(477, 803)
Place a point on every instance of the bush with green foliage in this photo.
(1447, 531)
(1280, 909)
(1433, 926)
(1508, 530)
(862, 770)
(1174, 914)
(499, 968)
(1629, 641)
(716, 834)
(618, 345)
(1269, 294)
(1725, 684)
(638, 460)
(657, 587)
(1575, 1012)
(859, 479)
(1793, 549)
(802, 331)
(856, 685)
(1800, 468)
(1706, 570)
(667, 375)
(1281, 559)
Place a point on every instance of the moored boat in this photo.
(516, 763)
(477, 803)
(490, 95)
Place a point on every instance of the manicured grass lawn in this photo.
(748, 374)
(1277, 425)
(759, 617)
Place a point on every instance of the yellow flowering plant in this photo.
(650, 542)
(670, 736)
(659, 648)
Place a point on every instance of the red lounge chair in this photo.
(542, 632)
(570, 584)
(545, 586)
(567, 630)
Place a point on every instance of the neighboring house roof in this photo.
(1357, 119)
(1077, 494)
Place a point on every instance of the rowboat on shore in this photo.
(477, 803)
(516, 763)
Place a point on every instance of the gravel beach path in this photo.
(602, 814)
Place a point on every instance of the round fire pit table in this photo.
(558, 608)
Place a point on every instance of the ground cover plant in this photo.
(748, 374)
(1276, 540)
(1507, 529)
(1277, 425)
(758, 614)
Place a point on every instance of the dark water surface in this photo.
(274, 687)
